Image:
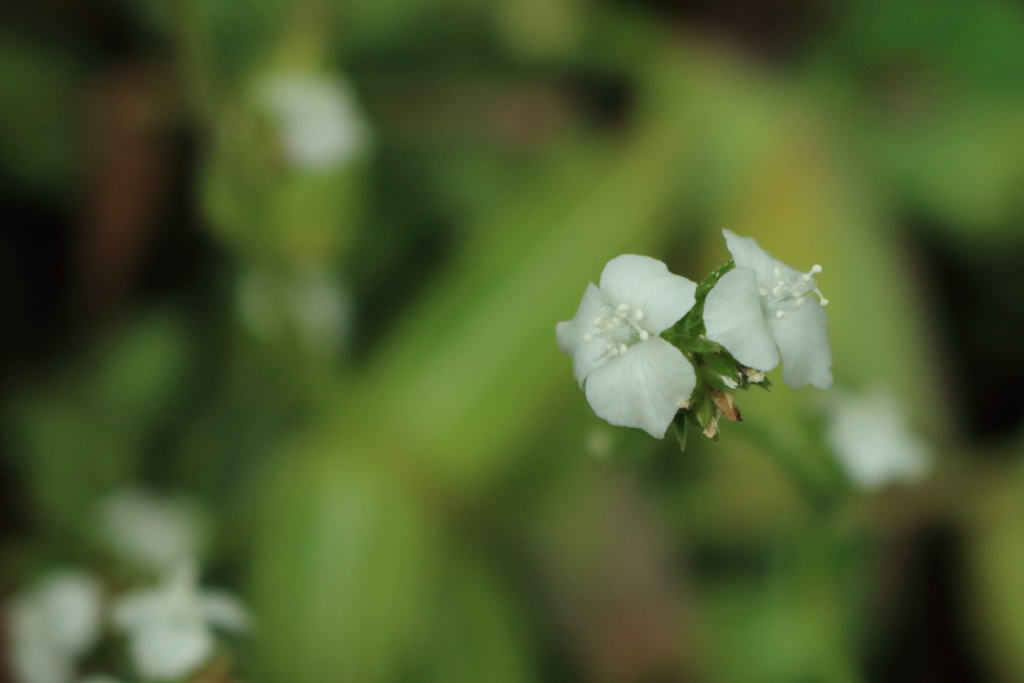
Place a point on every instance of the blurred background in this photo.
(293, 267)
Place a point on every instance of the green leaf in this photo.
(342, 571)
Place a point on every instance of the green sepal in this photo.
(716, 366)
(702, 412)
(679, 423)
(688, 333)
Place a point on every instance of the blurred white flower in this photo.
(52, 625)
(763, 310)
(874, 442)
(320, 121)
(322, 309)
(632, 377)
(151, 530)
(311, 301)
(169, 627)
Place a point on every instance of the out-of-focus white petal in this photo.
(873, 441)
(802, 336)
(71, 601)
(33, 657)
(151, 530)
(733, 318)
(323, 310)
(52, 625)
(645, 283)
(321, 124)
(224, 610)
(643, 387)
(169, 649)
(168, 626)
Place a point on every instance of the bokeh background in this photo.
(350, 366)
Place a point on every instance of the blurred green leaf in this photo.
(143, 372)
(42, 90)
(342, 571)
(478, 632)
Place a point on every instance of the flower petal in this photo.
(224, 610)
(588, 357)
(733, 318)
(645, 283)
(569, 333)
(170, 650)
(747, 253)
(643, 387)
(802, 336)
(874, 442)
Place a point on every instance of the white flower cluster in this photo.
(762, 311)
(168, 625)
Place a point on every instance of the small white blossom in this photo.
(52, 626)
(320, 122)
(310, 302)
(632, 377)
(762, 311)
(873, 441)
(169, 627)
(150, 530)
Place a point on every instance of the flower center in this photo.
(790, 292)
(620, 328)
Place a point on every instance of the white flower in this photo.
(169, 627)
(763, 310)
(310, 302)
(52, 625)
(320, 123)
(632, 377)
(873, 441)
(150, 530)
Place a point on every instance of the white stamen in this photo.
(588, 337)
(644, 336)
(778, 273)
(780, 314)
(622, 307)
(800, 301)
(638, 314)
(755, 376)
(623, 348)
